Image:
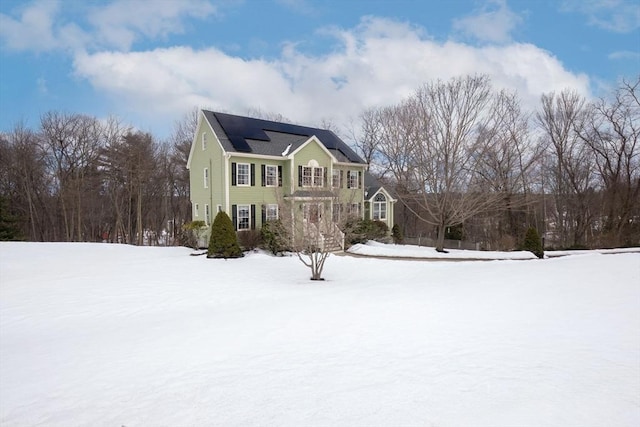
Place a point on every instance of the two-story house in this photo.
(246, 166)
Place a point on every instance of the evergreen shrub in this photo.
(396, 233)
(274, 237)
(223, 242)
(363, 230)
(533, 243)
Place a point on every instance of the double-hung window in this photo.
(353, 179)
(336, 179)
(312, 176)
(271, 213)
(204, 141)
(271, 176)
(318, 177)
(206, 177)
(307, 176)
(243, 176)
(244, 217)
(380, 207)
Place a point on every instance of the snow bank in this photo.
(114, 335)
(372, 248)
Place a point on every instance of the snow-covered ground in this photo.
(115, 335)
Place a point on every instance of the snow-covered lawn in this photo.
(114, 335)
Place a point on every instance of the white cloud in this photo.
(42, 26)
(620, 16)
(493, 23)
(122, 22)
(378, 63)
(33, 29)
(625, 55)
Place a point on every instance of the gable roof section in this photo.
(372, 186)
(257, 136)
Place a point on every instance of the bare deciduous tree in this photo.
(571, 163)
(431, 145)
(73, 144)
(612, 132)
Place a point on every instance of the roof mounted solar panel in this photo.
(239, 129)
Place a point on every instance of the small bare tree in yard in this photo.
(312, 233)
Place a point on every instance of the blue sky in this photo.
(150, 62)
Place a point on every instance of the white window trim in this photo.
(378, 209)
(266, 175)
(207, 214)
(269, 209)
(238, 165)
(309, 180)
(240, 208)
(206, 177)
(353, 173)
(196, 210)
(335, 175)
(204, 141)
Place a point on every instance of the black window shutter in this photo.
(299, 176)
(253, 174)
(279, 176)
(233, 173)
(359, 179)
(234, 216)
(262, 174)
(253, 217)
(348, 179)
(341, 179)
(264, 214)
(325, 176)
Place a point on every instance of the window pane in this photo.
(243, 174)
(243, 217)
(318, 177)
(271, 175)
(306, 176)
(272, 212)
(353, 179)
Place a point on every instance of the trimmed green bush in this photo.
(363, 230)
(223, 242)
(396, 233)
(533, 243)
(274, 237)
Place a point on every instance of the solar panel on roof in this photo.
(239, 129)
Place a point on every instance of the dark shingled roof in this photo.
(250, 135)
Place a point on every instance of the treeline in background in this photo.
(464, 160)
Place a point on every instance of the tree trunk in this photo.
(440, 240)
